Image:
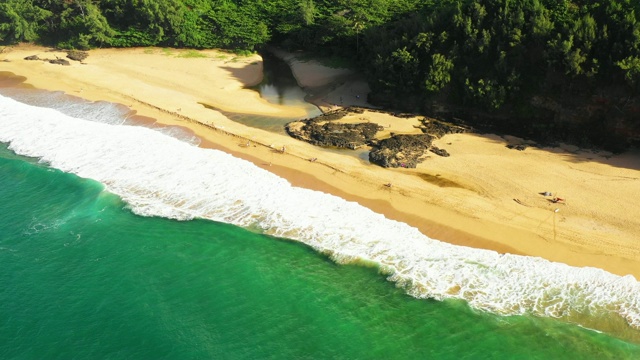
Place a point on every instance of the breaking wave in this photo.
(158, 175)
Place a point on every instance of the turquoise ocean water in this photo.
(123, 242)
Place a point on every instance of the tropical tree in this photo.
(21, 20)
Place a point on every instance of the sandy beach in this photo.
(484, 195)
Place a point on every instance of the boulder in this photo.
(60, 62)
(519, 147)
(77, 55)
(440, 152)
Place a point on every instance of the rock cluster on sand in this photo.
(410, 150)
(392, 150)
(76, 55)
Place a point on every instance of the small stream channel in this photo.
(279, 86)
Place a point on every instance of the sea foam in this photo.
(158, 175)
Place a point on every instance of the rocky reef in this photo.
(331, 134)
(408, 151)
(401, 150)
(391, 150)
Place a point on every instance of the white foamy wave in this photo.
(98, 111)
(180, 134)
(161, 176)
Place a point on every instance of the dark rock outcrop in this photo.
(60, 62)
(350, 136)
(32, 57)
(440, 152)
(439, 128)
(519, 147)
(401, 151)
(338, 114)
(409, 150)
(397, 151)
(77, 55)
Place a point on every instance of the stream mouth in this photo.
(279, 86)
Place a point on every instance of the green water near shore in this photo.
(83, 277)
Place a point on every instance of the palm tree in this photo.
(358, 25)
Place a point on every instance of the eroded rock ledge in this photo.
(355, 127)
(401, 150)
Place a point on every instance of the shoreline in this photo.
(481, 212)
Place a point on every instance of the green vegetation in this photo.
(192, 54)
(496, 59)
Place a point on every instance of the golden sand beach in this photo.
(484, 195)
